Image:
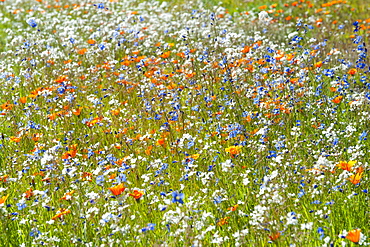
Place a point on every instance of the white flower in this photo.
(263, 16)
(362, 239)
(245, 181)
(217, 239)
(307, 226)
(50, 222)
(291, 35)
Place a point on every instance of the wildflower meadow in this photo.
(176, 123)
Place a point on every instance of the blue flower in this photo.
(335, 142)
(21, 206)
(357, 39)
(149, 227)
(35, 233)
(177, 197)
(32, 22)
(217, 200)
(320, 231)
(363, 136)
(100, 180)
(100, 5)
(101, 46)
(301, 193)
(121, 178)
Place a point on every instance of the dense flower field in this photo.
(127, 123)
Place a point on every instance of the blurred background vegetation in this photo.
(356, 9)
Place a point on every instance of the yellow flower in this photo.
(195, 156)
(233, 150)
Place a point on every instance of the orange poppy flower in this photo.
(91, 42)
(165, 54)
(15, 139)
(61, 79)
(337, 99)
(115, 112)
(233, 208)
(195, 156)
(346, 165)
(4, 178)
(233, 150)
(3, 199)
(52, 116)
(161, 142)
(359, 169)
(352, 71)
(35, 137)
(87, 176)
(23, 100)
(77, 111)
(67, 196)
(356, 178)
(318, 64)
(354, 235)
(6, 106)
(82, 51)
(62, 212)
(69, 154)
(28, 193)
(137, 194)
(274, 236)
(117, 190)
(93, 122)
(148, 150)
(246, 49)
(223, 221)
